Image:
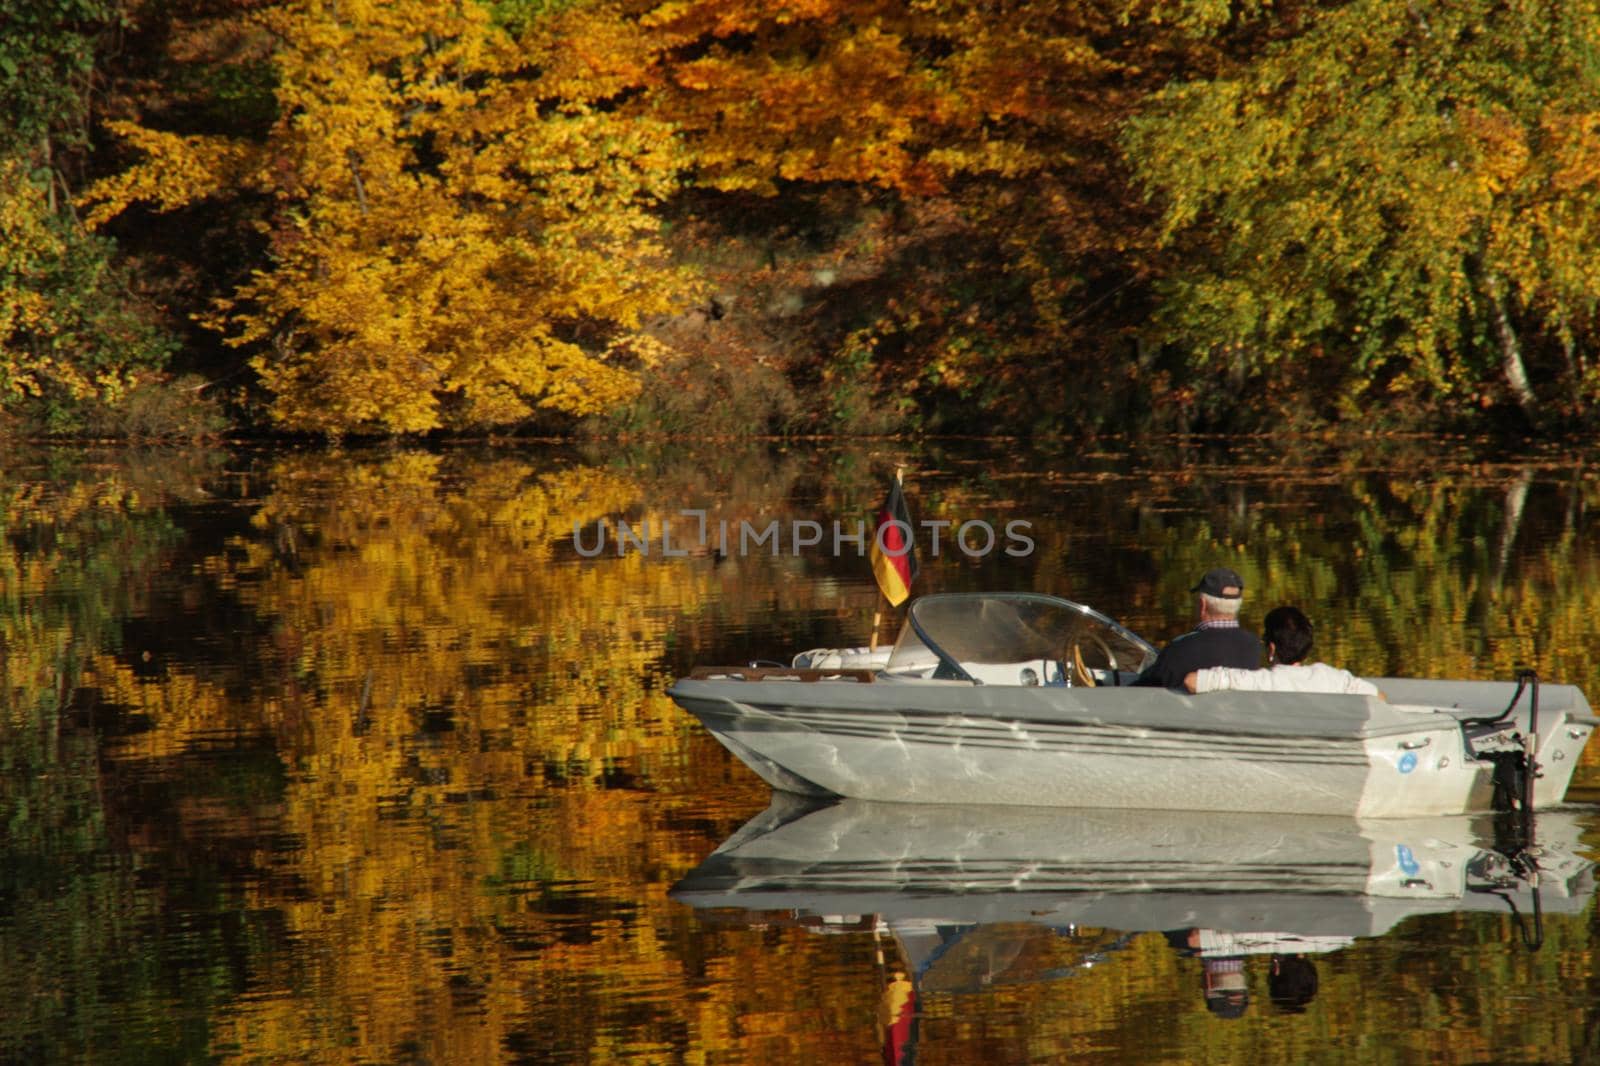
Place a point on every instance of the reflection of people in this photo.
(1217, 640)
(1292, 983)
(1227, 992)
(1288, 633)
(1222, 975)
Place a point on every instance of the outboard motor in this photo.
(1511, 752)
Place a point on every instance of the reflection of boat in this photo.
(1020, 698)
(1255, 883)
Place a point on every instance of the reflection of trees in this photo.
(88, 959)
(402, 768)
(481, 761)
(1456, 576)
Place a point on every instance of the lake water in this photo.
(314, 756)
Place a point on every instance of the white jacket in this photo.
(1213, 942)
(1316, 677)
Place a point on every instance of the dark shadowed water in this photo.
(356, 757)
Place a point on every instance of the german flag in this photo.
(894, 549)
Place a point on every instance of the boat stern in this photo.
(1557, 757)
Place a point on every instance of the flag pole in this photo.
(877, 614)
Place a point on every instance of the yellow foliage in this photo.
(459, 240)
(24, 240)
(191, 168)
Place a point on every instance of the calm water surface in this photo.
(353, 757)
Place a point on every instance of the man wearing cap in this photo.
(1217, 640)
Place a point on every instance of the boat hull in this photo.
(956, 743)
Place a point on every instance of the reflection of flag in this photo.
(894, 551)
(897, 1017)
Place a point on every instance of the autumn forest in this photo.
(352, 217)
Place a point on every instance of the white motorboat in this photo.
(1023, 698)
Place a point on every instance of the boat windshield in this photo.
(1019, 638)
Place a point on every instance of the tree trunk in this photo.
(50, 168)
(353, 157)
(1510, 349)
(1577, 365)
(1511, 523)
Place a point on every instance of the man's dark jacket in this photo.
(1200, 648)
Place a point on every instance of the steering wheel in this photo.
(1084, 675)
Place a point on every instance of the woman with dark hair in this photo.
(1291, 983)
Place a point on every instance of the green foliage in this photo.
(237, 97)
(1401, 197)
(1196, 16)
(87, 963)
(71, 332)
(516, 15)
(46, 56)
